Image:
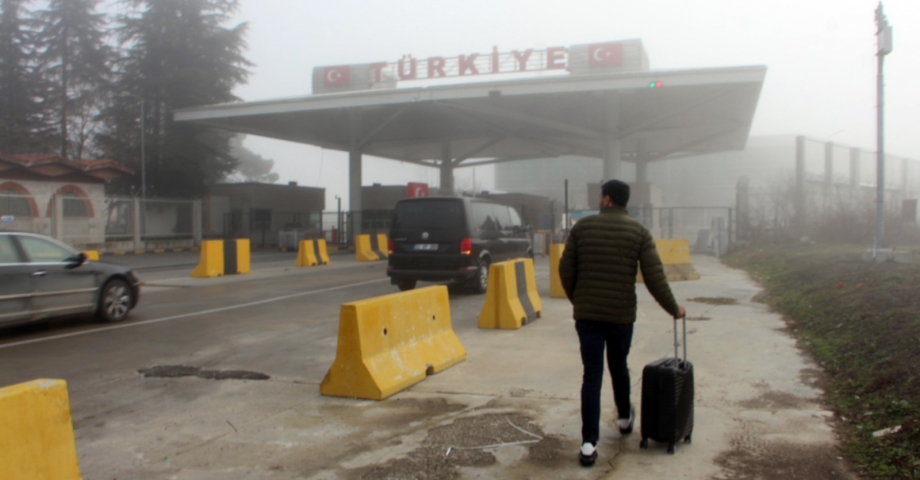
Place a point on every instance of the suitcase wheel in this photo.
(643, 444)
(670, 449)
(687, 439)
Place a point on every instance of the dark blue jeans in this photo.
(593, 336)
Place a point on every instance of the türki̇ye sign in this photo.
(620, 55)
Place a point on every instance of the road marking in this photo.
(192, 314)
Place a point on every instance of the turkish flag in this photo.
(337, 76)
(417, 190)
(605, 54)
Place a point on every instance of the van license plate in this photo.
(426, 246)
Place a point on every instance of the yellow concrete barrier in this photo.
(220, 257)
(511, 297)
(555, 282)
(675, 256)
(212, 260)
(36, 432)
(92, 255)
(389, 343)
(306, 257)
(371, 247)
(243, 264)
(311, 253)
(322, 255)
(673, 251)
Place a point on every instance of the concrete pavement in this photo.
(758, 411)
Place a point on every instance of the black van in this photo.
(447, 238)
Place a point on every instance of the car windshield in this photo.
(429, 216)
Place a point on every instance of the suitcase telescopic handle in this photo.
(684, 318)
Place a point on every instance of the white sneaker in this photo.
(626, 424)
(588, 454)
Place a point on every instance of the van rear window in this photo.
(430, 216)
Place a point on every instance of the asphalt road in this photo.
(276, 310)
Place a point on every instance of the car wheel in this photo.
(406, 285)
(481, 281)
(116, 301)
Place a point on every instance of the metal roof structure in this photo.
(635, 116)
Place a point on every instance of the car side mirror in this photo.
(76, 260)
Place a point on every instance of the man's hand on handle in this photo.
(682, 312)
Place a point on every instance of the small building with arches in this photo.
(54, 196)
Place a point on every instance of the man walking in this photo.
(598, 270)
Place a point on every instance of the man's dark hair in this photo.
(618, 192)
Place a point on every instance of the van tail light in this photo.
(466, 246)
(390, 246)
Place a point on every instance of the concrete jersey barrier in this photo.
(36, 432)
(223, 257)
(675, 256)
(555, 281)
(512, 300)
(371, 247)
(311, 253)
(389, 343)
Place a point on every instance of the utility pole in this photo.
(883, 35)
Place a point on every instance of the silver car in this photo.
(41, 277)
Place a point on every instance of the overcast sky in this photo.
(820, 56)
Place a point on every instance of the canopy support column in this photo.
(612, 159)
(354, 176)
(612, 146)
(447, 170)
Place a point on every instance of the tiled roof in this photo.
(101, 168)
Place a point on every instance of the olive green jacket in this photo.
(598, 269)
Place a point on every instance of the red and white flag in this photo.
(605, 54)
(417, 190)
(337, 76)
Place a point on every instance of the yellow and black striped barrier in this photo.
(371, 247)
(223, 257)
(512, 300)
(311, 253)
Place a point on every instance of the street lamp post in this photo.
(143, 160)
(884, 48)
(338, 216)
(143, 155)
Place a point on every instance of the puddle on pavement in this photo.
(176, 371)
(714, 300)
(459, 444)
(776, 400)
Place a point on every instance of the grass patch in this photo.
(861, 322)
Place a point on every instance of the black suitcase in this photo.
(667, 398)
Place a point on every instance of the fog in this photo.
(820, 56)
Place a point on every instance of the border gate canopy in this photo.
(648, 115)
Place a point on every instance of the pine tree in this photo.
(21, 127)
(178, 55)
(75, 60)
(251, 167)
